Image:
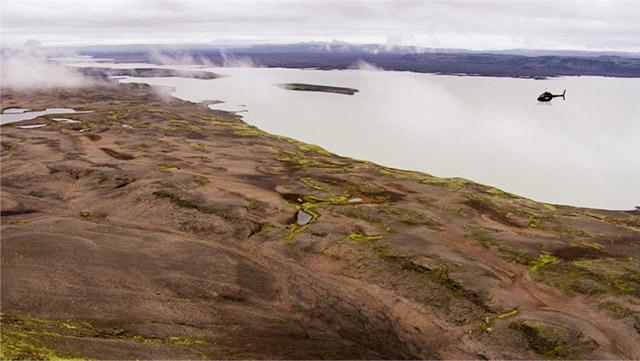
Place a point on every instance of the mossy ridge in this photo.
(307, 147)
(500, 193)
(16, 345)
(457, 210)
(617, 275)
(188, 201)
(371, 242)
(442, 276)
(451, 183)
(592, 245)
(621, 312)
(123, 113)
(316, 184)
(238, 127)
(308, 155)
(358, 212)
(176, 199)
(553, 341)
(412, 218)
(514, 256)
(439, 275)
(568, 233)
(544, 259)
(482, 235)
(352, 186)
(248, 130)
(630, 221)
(509, 212)
(24, 337)
(295, 161)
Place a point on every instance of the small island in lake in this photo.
(319, 88)
(96, 72)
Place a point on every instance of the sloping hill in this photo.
(157, 228)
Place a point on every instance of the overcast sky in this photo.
(583, 25)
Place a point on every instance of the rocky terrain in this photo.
(159, 229)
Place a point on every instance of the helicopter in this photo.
(547, 96)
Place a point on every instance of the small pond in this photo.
(12, 115)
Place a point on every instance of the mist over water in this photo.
(31, 68)
(582, 151)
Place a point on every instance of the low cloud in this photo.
(233, 61)
(158, 57)
(363, 65)
(29, 68)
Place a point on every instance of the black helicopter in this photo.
(546, 96)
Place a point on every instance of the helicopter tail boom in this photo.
(560, 95)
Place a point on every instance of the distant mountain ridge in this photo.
(345, 47)
(519, 63)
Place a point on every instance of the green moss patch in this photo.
(514, 212)
(451, 183)
(26, 337)
(372, 242)
(316, 184)
(357, 236)
(412, 218)
(364, 213)
(436, 275)
(483, 235)
(628, 221)
(307, 204)
(511, 313)
(553, 341)
(17, 222)
(621, 312)
(543, 260)
(30, 338)
(589, 276)
(176, 199)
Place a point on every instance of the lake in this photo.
(14, 115)
(581, 151)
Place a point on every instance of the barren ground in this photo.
(159, 229)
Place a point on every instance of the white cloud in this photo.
(180, 58)
(363, 65)
(233, 61)
(29, 68)
(594, 25)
